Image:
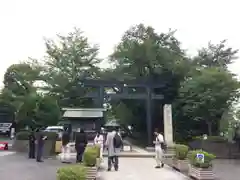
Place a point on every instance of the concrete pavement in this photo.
(15, 166)
(6, 153)
(18, 167)
(139, 169)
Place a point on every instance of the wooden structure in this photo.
(87, 118)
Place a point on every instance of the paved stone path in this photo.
(140, 169)
(228, 169)
(6, 153)
(15, 166)
(18, 167)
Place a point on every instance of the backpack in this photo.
(163, 144)
(117, 141)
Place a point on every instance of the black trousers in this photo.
(113, 160)
(39, 152)
(80, 148)
(31, 152)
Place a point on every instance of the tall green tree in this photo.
(19, 91)
(143, 53)
(69, 59)
(207, 94)
(18, 85)
(208, 91)
(216, 55)
(47, 111)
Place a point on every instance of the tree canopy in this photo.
(201, 88)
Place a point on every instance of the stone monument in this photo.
(168, 128)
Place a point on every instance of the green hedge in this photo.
(90, 156)
(208, 158)
(72, 172)
(181, 151)
(212, 138)
(79, 172)
(24, 135)
(97, 149)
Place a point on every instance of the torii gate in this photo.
(122, 88)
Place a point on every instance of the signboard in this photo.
(200, 157)
(126, 148)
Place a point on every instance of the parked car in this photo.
(57, 129)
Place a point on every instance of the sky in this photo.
(24, 24)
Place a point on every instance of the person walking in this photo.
(40, 145)
(159, 141)
(113, 144)
(98, 140)
(31, 145)
(81, 142)
(65, 149)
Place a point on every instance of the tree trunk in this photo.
(209, 124)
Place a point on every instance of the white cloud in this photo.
(24, 23)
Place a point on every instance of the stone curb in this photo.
(129, 155)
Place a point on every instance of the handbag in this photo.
(163, 145)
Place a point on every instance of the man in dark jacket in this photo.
(80, 144)
(65, 138)
(40, 145)
(31, 145)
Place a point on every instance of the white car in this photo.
(57, 129)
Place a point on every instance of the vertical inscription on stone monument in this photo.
(168, 128)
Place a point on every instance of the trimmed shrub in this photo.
(181, 151)
(50, 135)
(72, 172)
(97, 149)
(23, 135)
(208, 158)
(90, 156)
(212, 138)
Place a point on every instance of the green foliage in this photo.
(207, 94)
(238, 114)
(70, 59)
(143, 54)
(181, 151)
(23, 135)
(47, 111)
(90, 156)
(19, 78)
(72, 172)
(208, 158)
(211, 138)
(97, 149)
(201, 88)
(19, 91)
(123, 117)
(219, 55)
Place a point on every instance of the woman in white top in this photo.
(98, 140)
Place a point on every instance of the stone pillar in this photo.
(168, 128)
(149, 117)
